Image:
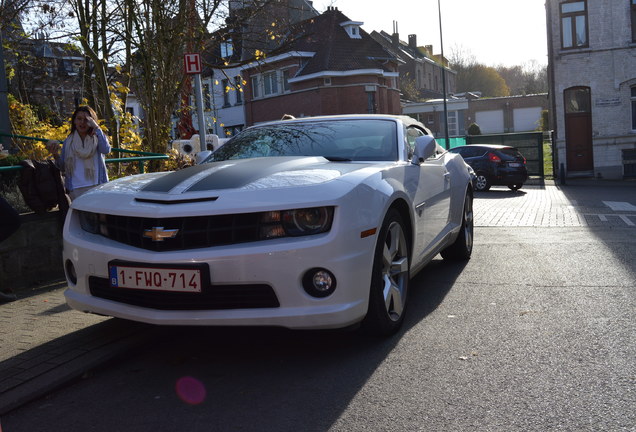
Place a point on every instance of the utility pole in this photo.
(441, 41)
(5, 124)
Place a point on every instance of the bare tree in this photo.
(141, 43)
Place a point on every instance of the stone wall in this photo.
(32, 256)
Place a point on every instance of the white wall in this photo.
(490, 122)
(526, 119)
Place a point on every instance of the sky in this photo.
(494, 32)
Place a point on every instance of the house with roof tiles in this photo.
(418, 66)
(332, 66)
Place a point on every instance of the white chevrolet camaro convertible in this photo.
(306, 223)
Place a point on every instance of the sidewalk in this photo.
(45, 344)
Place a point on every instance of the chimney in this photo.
(395, 37)
(413, 41)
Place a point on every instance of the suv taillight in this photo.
(494, 158)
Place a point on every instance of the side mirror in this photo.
(425, 147)
(201, 156)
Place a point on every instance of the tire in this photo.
(515, 187)
(390, 278)
(482, 182)
(462, 247)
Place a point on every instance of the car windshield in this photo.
(336, 140)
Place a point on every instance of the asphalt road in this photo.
(535, 333)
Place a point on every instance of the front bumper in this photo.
(278, 264)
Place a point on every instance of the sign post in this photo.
(192, 66)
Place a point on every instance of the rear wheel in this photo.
(462, 248)
(389, 279)
(515, 187)
(482, 183)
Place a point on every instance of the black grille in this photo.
(212, 297)
(194, 232)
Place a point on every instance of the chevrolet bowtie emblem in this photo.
(159, 234)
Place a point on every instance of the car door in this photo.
(431, 200)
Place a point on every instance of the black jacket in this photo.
(42, 187)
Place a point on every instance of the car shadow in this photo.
(257, 378)
(248, 378)
(500, 193)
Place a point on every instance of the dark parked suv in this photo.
(495, 165)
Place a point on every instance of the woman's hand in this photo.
(53, 147)
(92, 124)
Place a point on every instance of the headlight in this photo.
(93, 223)
(89, 222)
(298, 222)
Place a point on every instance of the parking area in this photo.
(552, 206)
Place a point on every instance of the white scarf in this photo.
(84, 150)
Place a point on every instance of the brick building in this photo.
(333, 67)
(49, 75)
(592, 74)
(223, 86)
(418, 66)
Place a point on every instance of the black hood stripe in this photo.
(238, 173)
(172, 180)
(246, 171)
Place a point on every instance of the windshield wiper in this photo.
(337, 159)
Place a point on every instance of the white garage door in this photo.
(490, 121)
(526, 119)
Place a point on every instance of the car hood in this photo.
(268, 179)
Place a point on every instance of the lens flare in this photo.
(190, 390)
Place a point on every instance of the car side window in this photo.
(468, 152)
(412, 133)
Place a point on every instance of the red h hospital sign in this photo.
(192, 63)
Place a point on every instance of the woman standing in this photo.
(82, 156)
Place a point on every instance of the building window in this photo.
(226, 92)
(270, 84)
(452, 123)
(371, 106)
(577, 100)
(286, 76)
(239, 89)
(207, 103)
(574, 24)
(633, 7)
(227, 49)
(50, 68)
(256, 88)
(634, 108)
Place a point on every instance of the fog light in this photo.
(319, 282)
(71, 275)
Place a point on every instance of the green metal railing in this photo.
(143, 156)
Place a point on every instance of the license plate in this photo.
(179, 279)
(514, 164)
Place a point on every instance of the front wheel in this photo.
(390, 278)
(515, 187)
(462, 248)
(482, 183)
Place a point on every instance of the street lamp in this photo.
(441, 42)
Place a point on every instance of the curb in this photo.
(42, 369)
